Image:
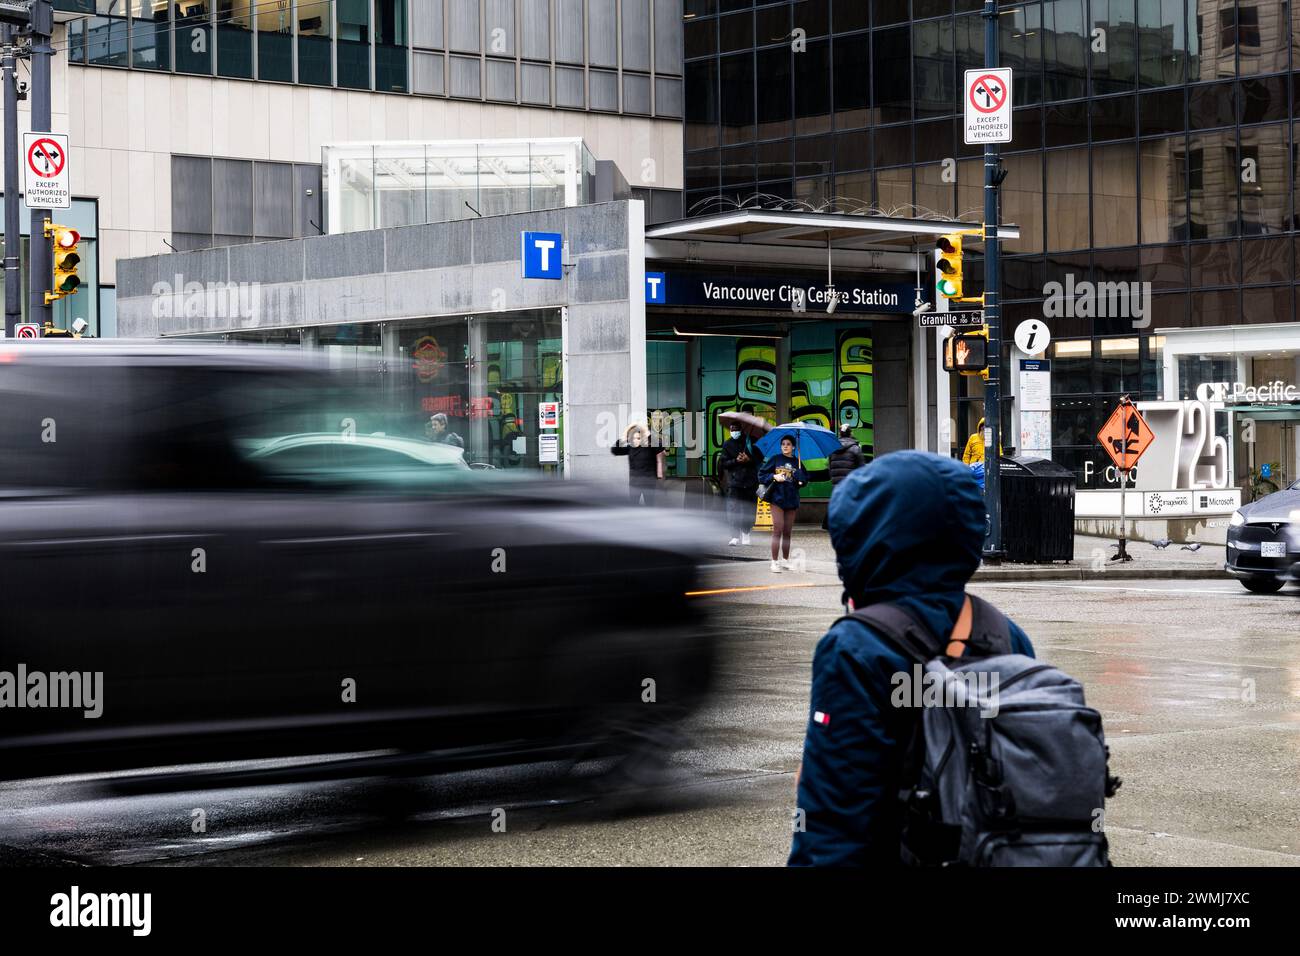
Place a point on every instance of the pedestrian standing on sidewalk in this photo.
(739, 464)
(645, 464)
(843, 462)
(783, 475)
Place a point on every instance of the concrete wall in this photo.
(458, 268)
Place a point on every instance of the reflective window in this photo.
(737, 85)
(812, 89)
(390, 45)
(1067, 184)
(702, 104)
(852, 57)
(1163, 174)
(1022, 199)
(891, 74)
(235, 38)
(1113, 45)
(1114, 117)
(1212, 180)
(275, 40)
(1114, 194)
(1020, 43)
(775, 98)
(314, 41)
(1162, 42)
(150, 35)
(1161, 112)
(934, 71)
(1065, 49)
(499, 24)
(568, 31)
(1266, 172)
(352, 51)
(772, 160)
(934, 195)
(193, 36)
(735, 32)
(1211, 106)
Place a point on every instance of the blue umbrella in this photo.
(811, 441)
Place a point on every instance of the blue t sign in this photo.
(542, 255)
(656, 292)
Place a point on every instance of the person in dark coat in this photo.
(644, 464)
(739, 464)
(785, 475)
(841, 463)
(907, 528)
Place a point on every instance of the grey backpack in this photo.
(1007, 765)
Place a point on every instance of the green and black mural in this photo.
(830, 385)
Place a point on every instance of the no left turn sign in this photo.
(988, 106)
(45, 171)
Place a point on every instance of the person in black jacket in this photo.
(739, 466)
(644, 464)
(842, 463)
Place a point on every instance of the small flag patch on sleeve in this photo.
(821, 718)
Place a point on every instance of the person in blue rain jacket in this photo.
(783, 475)
(907, 528)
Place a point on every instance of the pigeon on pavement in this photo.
(1195, 546)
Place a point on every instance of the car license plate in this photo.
(1272, 549)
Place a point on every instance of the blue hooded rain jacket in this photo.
(907, 528)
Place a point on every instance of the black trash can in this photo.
(1037, 510)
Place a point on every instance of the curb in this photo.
(1088, 574)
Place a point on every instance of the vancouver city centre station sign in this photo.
(781, 294)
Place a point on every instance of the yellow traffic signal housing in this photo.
(66, 260)
(948, 263)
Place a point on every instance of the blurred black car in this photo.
(1264, 541)
(173, 518)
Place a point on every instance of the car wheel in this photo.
(1261, 584)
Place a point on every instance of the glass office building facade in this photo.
(1154, 141)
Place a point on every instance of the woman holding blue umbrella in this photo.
(782, 475)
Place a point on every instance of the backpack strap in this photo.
(901, 629)
(990, 631)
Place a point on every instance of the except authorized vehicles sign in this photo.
(45, 171)
(987, 104)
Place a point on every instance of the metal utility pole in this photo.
(13, 235)
(40, 256)
(993, 177)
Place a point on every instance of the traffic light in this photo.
(66, 260)
(968, 352)
(947, 262)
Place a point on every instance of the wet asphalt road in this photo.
(1212, 776)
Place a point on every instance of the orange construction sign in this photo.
(1126, 436)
